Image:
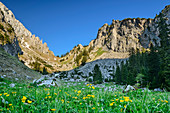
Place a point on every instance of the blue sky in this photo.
(62, 24)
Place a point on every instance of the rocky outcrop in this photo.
(113, 41)
(31, 45)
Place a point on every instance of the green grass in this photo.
(75, 99)
(99, 52)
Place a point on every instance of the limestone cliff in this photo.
(112, 41)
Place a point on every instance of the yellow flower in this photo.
(29, 101)
(49, 96)
(165, 101)
(80, 103)
(112, 104)
(84, 98)
(5, 93)
(13, 92)
(68, 102)
(90, 87)
(162, 101)
(121, 100)
(89, 95)
(153, 98)
(10, 104)
(124, 106)
(90, 84)
(116, 99)
(45, 97)
(130, 100)
(93, 96)
(115, 95)
(112, 100)
(126, 99)
(79, 91)
(55, 93)
(53, 109)
(93, 108)
(75, 97)
(93, 87)
(23, 100)
(121, 110)
(24, 97)
(75, 90)
(87, 85)
(7, 108)
(62, 101)
(0, 94)
(78, 94)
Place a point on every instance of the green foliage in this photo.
(97, 75)
(1, 27)
(73, 99)
(44, 72)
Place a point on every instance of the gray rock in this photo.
(158, 89)
(12, 85)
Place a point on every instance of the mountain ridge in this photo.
(112, 41)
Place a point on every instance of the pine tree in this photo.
(44, 72)
(154, 67)
(97, 75)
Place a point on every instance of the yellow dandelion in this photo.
(75, 97)
(124, 106)
(79, 92)
(121, 100)
(45, 97)
(24, 97)
(80, 103)
(62, 100)
(126, 99)
(162, 101)
(89, 95)
(68, 102)
(115, 95)
(87, 85)
(116, 99)
(0, 94)
(7, 108)
(165, 101)
(93, 96)
(75, 91)
(93, 87)
(111, 104)
(49, 96)
(55, 93)
(121, 109)
(153, 98)
(5, 93)
(93, 108)
(84, 98)
(90, 87)
(29, 101)
(130, 100)
(10, 104)
(53, 109)
(13, 92)
(112, 100)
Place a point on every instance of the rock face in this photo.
(31, 46)
(113, 41)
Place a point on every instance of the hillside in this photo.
(113, 41)
(14, 70)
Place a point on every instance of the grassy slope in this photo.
(81, 98)
(9, 63)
